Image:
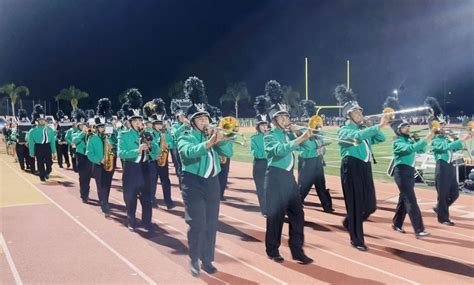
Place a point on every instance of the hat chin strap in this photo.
(278, 124)
(350, 118)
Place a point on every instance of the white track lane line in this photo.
(101, 241)
(332, 253)
(402, 243)
(9, 258)
(279, 281)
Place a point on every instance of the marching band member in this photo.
(134, 148)
(199, 149)
(96, 153)
(149, 117)
(404, 151)
(445, 172)
(166, 143)
(216, 116)
(281, 190)
(12, 138)
(311, 164)
(41, 143)
(61, 145)
(84, 166)
(68, 139)
(180, 124)
(257, 149)
(24, 126)
(356, 169)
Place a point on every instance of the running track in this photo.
(49, 236)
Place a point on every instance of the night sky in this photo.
(106, 46)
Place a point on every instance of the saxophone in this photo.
(163, 157)
(108, 155)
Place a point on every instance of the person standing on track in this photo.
(199, 149)
(84, 166)
(356, 169)
(281, 190)
(68, 138)
(443, 146)
(97, 156)
(24, 126)
(135, 147)
(166, 143)
(405, 148)
(257, 149)
(64, 124)
(311, 164)
(42, 143)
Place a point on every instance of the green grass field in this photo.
(382, 153)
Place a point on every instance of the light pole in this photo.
(395, 92)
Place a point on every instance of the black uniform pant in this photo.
(72, 151)
(176, 162)
(224, 175)
(62, 150)
(201, 203)
(161, 172)
(43, 156)
(32, 163)
(258, 173)
(23, 155)
(311, 172)
(103, 181)
(136, 185)
(447, 188)
(405, 180)
(282, 198)
(359, 195)
(84, 167)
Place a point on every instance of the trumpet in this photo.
(392, 113)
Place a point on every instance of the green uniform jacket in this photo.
(176, 130)
(113, 141)
(364, 138)
(80, 140)
(128, 144)
(95, 148)
(279, 147)
(69, 133)
(36, 135)
(443, 148)
(405, 149)
(13, 135)
(196, 158)
(257, 147)
(312, 147)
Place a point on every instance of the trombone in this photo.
(392, 113)
(317, 134)
(315, 124)
(228, 126)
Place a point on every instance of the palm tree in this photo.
(235, 93)
(73, 95)
(14, 92)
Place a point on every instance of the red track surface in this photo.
(65, 241)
